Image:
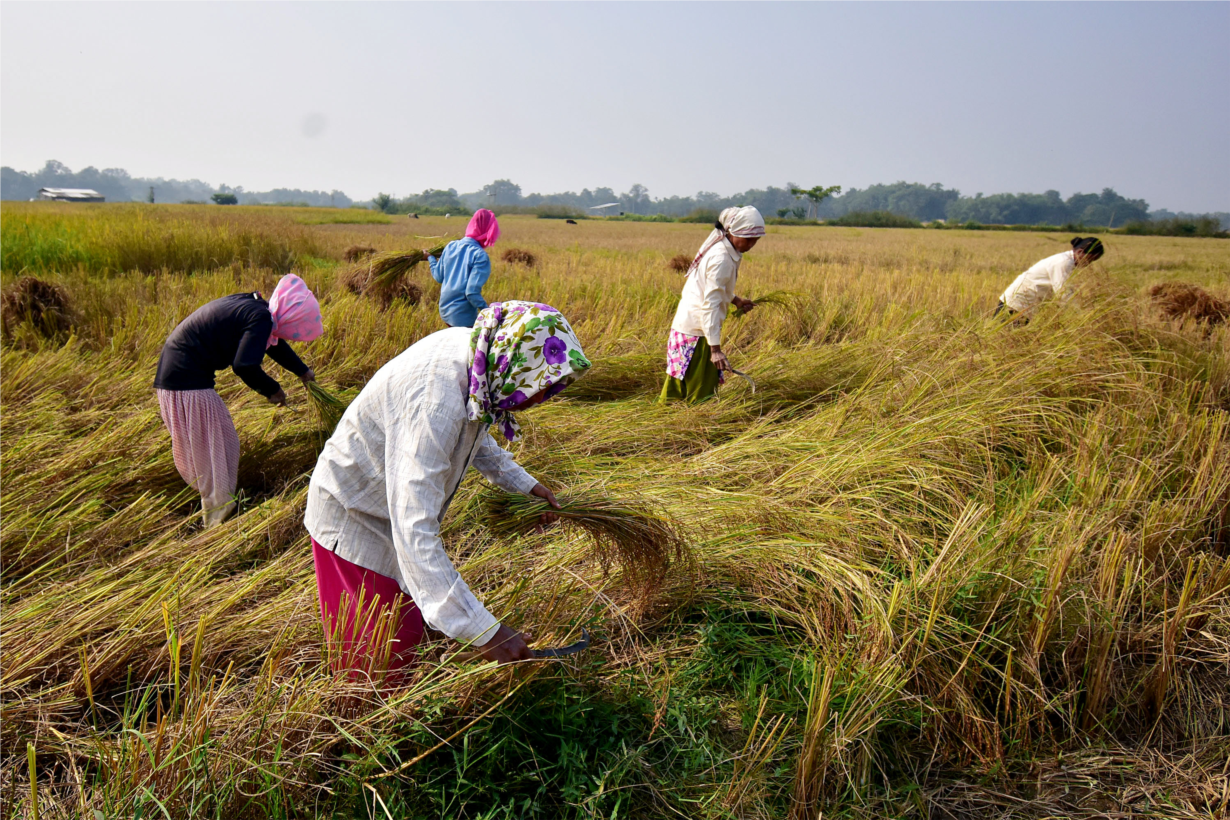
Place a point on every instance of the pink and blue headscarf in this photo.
(518, 350)
(295, 311)
(483, 227)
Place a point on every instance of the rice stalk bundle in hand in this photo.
(773, 297)
(327, 409)
(381, 274)
(641, 540)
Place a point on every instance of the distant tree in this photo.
(637, 199)
(815, 195)
(383, 202)
(799, 212)
(503, 192)
(782, 213)
(151, 195)
(225, 199)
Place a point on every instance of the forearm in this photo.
(254, 377)
(283, 354)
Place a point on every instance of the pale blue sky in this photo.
(680, 97)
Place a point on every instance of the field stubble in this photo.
(940, 568)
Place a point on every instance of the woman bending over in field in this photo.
(1048, 277)
(694, 357)
(463, 268)
(386, 477)
(235, 331)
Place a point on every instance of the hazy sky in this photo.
(680, 97)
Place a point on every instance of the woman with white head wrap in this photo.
(694, 356)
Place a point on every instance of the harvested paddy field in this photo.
(934, 566)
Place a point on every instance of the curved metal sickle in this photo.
(745, 377)
(564, 651)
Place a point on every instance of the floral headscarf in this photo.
(295, 312)
(518, 350)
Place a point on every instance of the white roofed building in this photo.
(71, 195)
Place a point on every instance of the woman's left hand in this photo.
(548, 496)
(744, 305)
(309, 376)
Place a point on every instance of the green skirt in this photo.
(701, 380)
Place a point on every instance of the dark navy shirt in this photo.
(227, 332)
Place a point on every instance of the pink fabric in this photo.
(204, 443)
(483, 227)
(341, 585)
(295, 311)
(679, 350)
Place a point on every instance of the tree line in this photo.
(911, 200)
(118, 186)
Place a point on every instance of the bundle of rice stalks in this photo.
(518, 256)
(356, 252)
(679, 263)
(773, 297)
(382, 275)
(326, 409)
(637, 537)
(44, 305)
(1181, 300)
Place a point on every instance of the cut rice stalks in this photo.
(641, 540)
(773, 297)
(326, 409)
(380, 275)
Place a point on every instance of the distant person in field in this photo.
(695, 360)
(235, 331)
(463, 268)
(1048, 277)
(384, 481)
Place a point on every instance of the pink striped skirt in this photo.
(203, 442)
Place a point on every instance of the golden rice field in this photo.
(938, 567)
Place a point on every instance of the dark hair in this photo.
(1091, 246)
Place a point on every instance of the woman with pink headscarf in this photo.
(463, 268)
(235, 331)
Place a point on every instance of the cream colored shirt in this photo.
(386, 477)
(707, 293)
(1044, 280)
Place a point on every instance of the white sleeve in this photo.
(717, 275)
(497, 466)
(1059, 279)
(418, 446)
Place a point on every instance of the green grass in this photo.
(939, 566)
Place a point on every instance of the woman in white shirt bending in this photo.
(694, 356)
(1048, 277)
(385, 479)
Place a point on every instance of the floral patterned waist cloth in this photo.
(679, 350)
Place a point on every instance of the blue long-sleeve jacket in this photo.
(461, 270)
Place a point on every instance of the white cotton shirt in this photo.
(1039, 283)
(707, 293)
(385, 479)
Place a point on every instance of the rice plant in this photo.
(934, 566)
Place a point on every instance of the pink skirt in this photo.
(371, 626)
(204, 443)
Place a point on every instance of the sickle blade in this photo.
(564, 651)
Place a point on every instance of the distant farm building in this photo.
(71, 195)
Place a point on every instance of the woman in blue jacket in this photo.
(463, 268)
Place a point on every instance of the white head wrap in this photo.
(745, 222)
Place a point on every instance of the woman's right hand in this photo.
(507, 646)
(719, 359)
(278, 397)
